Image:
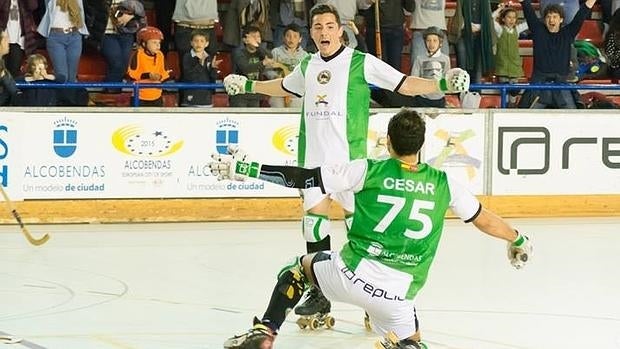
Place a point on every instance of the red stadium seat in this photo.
(91, 68)
(172, 62)
(591, 30)
(220, 100)
(528, 66)
(151, 18)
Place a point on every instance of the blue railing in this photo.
(135, 87)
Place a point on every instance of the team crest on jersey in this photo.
(321, 99)
(324, 77)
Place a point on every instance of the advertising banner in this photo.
(11, 147)
(556, 154)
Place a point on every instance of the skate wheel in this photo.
(392, 337)
(302, 323)
(314, 324)
(330, 322)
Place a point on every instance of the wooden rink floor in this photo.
(192, 285)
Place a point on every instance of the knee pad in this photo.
(348, 222)
(292, 281)
(315, 227)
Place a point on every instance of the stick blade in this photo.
(36, 242)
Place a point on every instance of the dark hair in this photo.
(554, 8)
(199, 32)
(320, 9)
(505, 11)
(248, 29)
(406, 130)
(294, 27)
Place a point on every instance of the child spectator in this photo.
(36, 73)
(508, 63)
(286, 57)
(199, 66)
(250, 59)
(552, 51)
(147, 65)
(63, 25)
(8, 90)
(432, 65)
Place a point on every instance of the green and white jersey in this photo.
(336, 101)
(399, 213)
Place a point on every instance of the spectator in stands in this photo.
(7, 84)
(147, 65)
(113, 25)
(552, 51)
(190, 15)
(285, 58)
(508, 62)
(163, 19)
(244, 13)
(432, 65)
(570, 7)
(37, 73)
(63, 25)
(612, 46)
(427, 13)
(199, 66)
(17, 17)
(286, 12)
(471, 30)
(392, 28)
(250, 60)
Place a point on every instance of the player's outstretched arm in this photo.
(232, 167)
(519, 245)
(456, 80)
(239, 84)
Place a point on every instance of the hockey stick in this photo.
(378, 48)
(25, 231)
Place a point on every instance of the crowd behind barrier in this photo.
(503, 89)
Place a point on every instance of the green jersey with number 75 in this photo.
(399, 213)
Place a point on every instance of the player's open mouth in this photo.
(324, 42)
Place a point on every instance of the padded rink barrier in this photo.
(519, 163)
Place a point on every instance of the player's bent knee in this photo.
(292, 281)
(315, 227)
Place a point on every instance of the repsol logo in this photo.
(369, 288)
(508, 152)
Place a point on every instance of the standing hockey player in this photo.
(400, 207)
(334, 123)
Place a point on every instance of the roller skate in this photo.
(258, 337)
(314, 312)
(391, 341)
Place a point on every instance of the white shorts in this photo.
(374, 287)
(312, 196)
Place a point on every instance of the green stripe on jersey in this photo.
(358, 104)
(301, 140)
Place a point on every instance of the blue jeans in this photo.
(116, 49)
(65, 50)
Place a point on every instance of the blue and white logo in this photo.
(65, 137)
(227, 133)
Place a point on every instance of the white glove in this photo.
(455, 80)
(233, 166)
(520, 251)
(237, 84)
